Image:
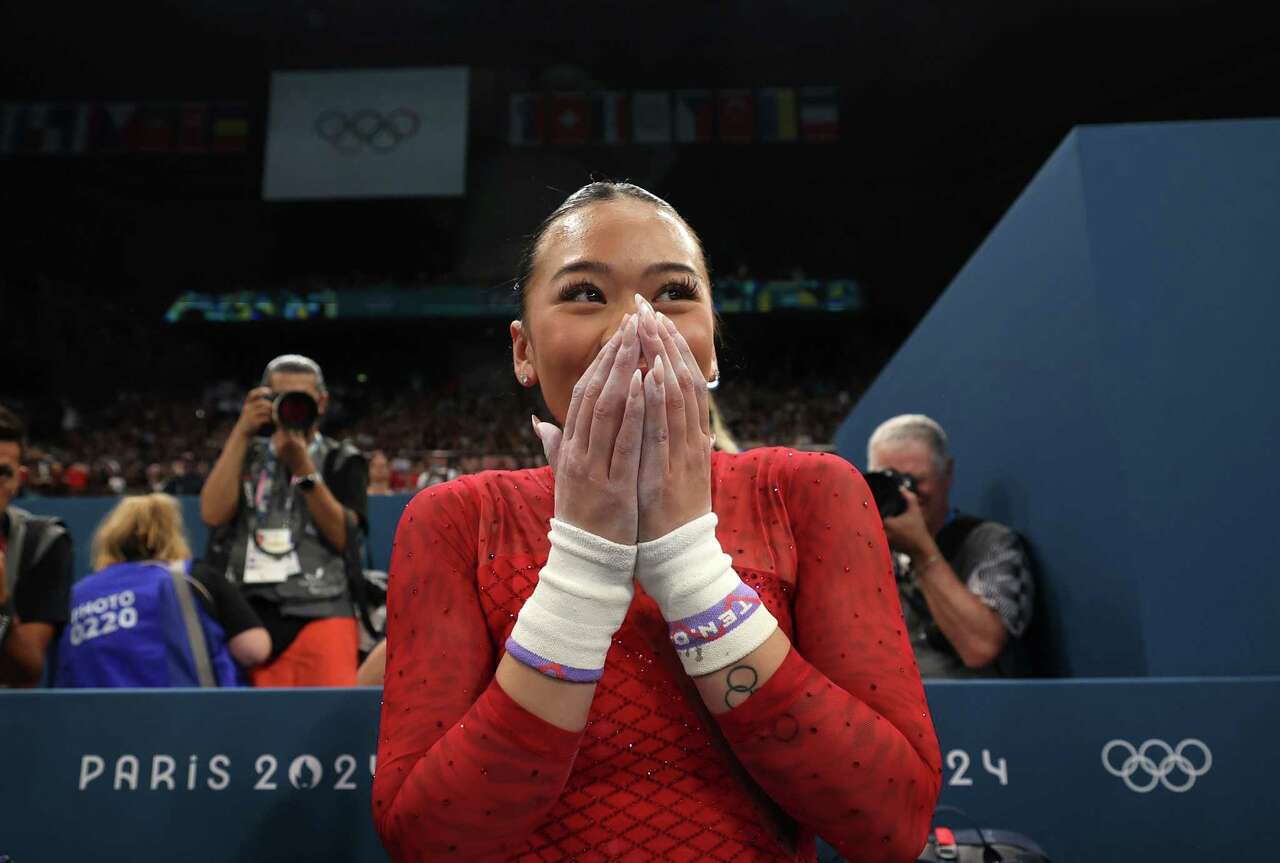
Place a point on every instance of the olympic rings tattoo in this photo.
(744, 689)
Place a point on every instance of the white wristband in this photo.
(714, 619)
(565, 628)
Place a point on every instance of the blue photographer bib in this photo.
(126, 630)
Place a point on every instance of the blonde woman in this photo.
(127, 626)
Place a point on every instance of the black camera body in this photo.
(295, 411)
(886, 487)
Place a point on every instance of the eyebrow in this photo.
(604, 269)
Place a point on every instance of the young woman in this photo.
(126, 629)
(703, 659)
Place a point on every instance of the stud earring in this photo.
(524, 379)
(715, 380)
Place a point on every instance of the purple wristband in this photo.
(701, 629)
(542, 665)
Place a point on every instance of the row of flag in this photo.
(682, 116)
(91, 128)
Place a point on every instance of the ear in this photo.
(522, 356)
(323, 403)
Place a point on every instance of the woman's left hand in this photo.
(675, 456)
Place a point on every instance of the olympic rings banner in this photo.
(1093, 770)
(367, 134)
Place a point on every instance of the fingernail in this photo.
(657, 369)
(533, 419)
(639, 302)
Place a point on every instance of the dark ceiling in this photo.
(947, 108)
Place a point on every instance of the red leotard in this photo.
(838, 743)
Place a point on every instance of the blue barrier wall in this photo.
(285, 775)
(1104, 367)
(82, 516)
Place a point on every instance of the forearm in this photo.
(835, 764)
(221, 490)
(328, 514)
(480, 790)
(969, 624)
(22, 654)
(562, 703)
(727, 688)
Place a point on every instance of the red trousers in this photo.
(323, 654)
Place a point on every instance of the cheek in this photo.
(563, 353)
(700, 336)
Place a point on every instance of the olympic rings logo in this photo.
(367, 128)
(1172, 762)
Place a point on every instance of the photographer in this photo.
(289, 507)
(35, 571)
(965, 584)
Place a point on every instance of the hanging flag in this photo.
(526, 119)
(193, 127)
(651, 117)
(64, 129)
(820, 114)
(610, 118)
(108, 124)
(695, 113)
(152, 129)
(776, 114)
(737, 117)
(367, 133)
(229, 129)
(570, 118)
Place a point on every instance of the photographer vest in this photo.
(934, 653)
(273, 549)
(30, 538)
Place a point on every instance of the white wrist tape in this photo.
(713, 618)
(565, 628)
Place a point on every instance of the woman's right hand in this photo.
(255, 414)
(596, 458)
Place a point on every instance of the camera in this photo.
(886, 487)
(295, 411)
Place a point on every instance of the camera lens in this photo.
(296, 411)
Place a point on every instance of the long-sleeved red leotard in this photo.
(837, 743)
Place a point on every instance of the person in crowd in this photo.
(183, 479)
(288, 511)
(644, 626)
(126, 626)
(437, 469)
(155, 478)
(35, 570)
(379, 473)
(965, 582)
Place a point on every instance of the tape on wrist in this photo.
(713, 618)
(565, 628)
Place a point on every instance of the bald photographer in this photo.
(288, 508)
(964, 582)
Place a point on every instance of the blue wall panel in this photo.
(1103, 365)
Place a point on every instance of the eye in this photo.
(581, 292)
(685, 289)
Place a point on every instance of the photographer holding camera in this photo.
(35, 571)
(289, 511)
(965, 583)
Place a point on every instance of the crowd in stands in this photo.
(148, 443)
